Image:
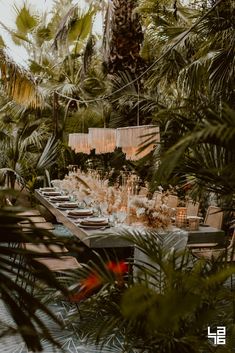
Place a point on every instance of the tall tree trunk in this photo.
(125, 39)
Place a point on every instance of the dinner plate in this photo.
(47, 189)
(94, 222)
(59, 198)
(90, 223)
(76, 217)
(81, 212)
(97, 226)
(67, 204)
(62, 207)
(51, 193)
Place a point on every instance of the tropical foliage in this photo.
(19, 272)
(166, 308)
(27, 151)
(167, 63)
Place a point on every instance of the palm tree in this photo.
(125, 38)
(28, 151)
(18, 84)
(55, 47)
(204, 155)
(202, 62)
(185, 91)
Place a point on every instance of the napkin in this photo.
(80, 212)
(51, 193)
(67, 204)
(60, 198)
(94, 221)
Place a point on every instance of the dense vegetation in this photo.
(175, 70)
(162, 62)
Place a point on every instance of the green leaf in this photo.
(25, 21)
(81, 27)
(2, 43)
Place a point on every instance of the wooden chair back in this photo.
(172, 201)
(214, 217)
(192, 208)
(157, 197)
(143, 191)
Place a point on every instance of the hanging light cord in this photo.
(151, 66)
(138, 107)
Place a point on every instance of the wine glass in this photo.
(121, 216)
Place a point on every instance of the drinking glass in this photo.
(121, 216)
(73, 197)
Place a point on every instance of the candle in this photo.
(181, 217)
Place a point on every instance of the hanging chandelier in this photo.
(131, 138)
(79, 142)
(103, 140)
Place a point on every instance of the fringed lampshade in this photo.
(103, 140)
(131, 138)
(79, 142)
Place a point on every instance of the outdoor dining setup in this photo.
(87, 204)
(117, 176)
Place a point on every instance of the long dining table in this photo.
(110, 237)
(93, 238)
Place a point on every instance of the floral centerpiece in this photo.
(150, 214)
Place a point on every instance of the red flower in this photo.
(87, 287)
(91, 282)
(119, 268)
(94, 281)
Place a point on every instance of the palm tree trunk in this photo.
(126, 38)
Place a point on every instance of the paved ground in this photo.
(71, 342)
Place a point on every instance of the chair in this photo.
(29, 213)
(192, 208)
(30, 218)
(157, 197)
(143, 191)
(215, 253)
(61, 264)
(53, 263)
(41, 248)
(27, 227)
(214, 217)
(172, 201)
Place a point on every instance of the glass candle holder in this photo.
(193, 223)
(181, 217)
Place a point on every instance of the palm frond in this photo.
(219, 130)
(19, 84)
(25, 20)
(48, 156)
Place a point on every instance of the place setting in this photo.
(52, 193)
(66, 205)
(79, 213)
(94, 223)
(47, 189)
(59, 198)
